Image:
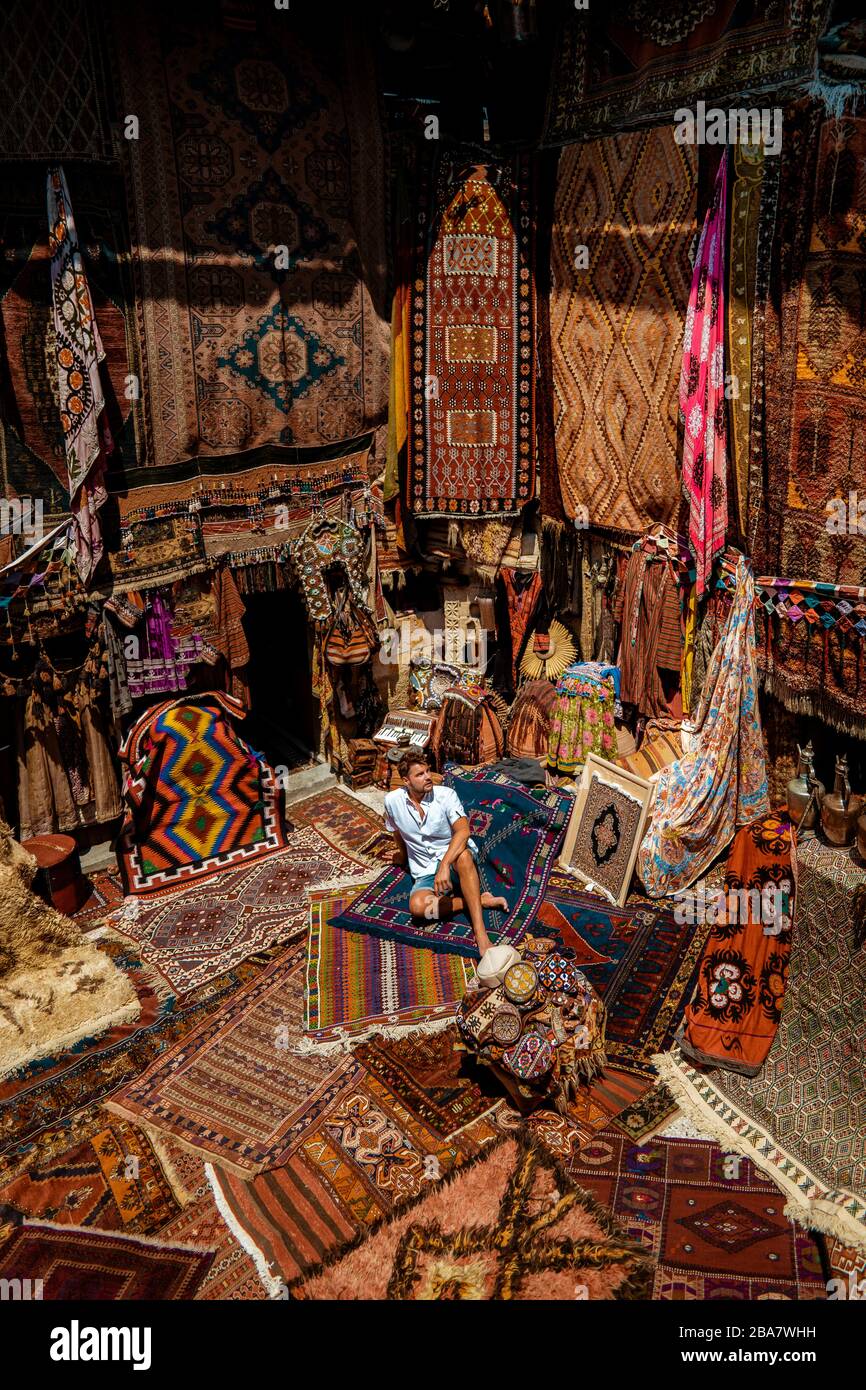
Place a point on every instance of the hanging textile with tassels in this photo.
(78, 352)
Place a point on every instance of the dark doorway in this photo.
(284, 715)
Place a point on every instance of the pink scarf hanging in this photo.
(702, 391)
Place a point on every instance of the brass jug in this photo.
(801, 787)
(840, 809)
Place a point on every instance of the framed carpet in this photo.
(518, 833)
(511, 1225)
(408, 1116)
(605, 829)
(358, 985)
(206, 928)
(716, 1228)
(79, 1264)
(802, 1119)
(233, 1089)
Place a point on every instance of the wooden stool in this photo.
(59, 879)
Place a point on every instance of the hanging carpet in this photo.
(806, 485)
(198, 798)
(256, 195)
(472, 445)
(624, 219)
(634, 62)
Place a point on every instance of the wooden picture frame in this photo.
(606, 827)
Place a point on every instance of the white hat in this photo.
(494, 963)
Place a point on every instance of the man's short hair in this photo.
(410, 760)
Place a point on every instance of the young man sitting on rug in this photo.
(431, 830)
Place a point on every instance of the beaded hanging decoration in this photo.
(327, 543)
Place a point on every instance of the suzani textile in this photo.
(198, 798)
(78, 351)
(624, 218)
(722, 783)
(702, 391)
(518, 833)
(257, 199)
(472, 441)
(732, 1019)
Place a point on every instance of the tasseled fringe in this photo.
(310, 1046)
(837, 97)
(818, 706)
(453, 536)
(272, 1283)
(334, 885)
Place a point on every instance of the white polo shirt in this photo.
(426, 836)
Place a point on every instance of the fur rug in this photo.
(55, 985)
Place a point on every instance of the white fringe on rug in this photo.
(333, 885)
(824, 1211)
(309, 1046)
(273, 1285)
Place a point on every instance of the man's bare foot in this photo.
(488, 900)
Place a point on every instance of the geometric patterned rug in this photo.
(512, 1224)
(712, 1221)
(358, 985)
(802, 1119)
(235, 1089)
(209, 927)
(404, 1115)
(343, 820)
(115, 1180)
(643, 963)
(198, 799)
(78, 1263)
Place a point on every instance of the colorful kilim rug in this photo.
(204, 930)
(231, 1090)
(623, 222)
(49, 1105)
(745, 191)
(807, 472)
(648, 1115)
(233, 1273)
(115, 1180)
(518, 834)
(198, 799)
(711, 1220)
(511, 1225)
(630, 63)
(78, 1263)
(344, 821)
(643, 962)
(268, 283)
(802, 1119)
(358, 985)
(406, 1117)
(472, 448)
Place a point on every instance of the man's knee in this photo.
(418, 902)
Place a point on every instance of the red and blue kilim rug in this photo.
(643, 963)
(518, 833)
(198, 798)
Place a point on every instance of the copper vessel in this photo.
(840, 808)
(802, 804)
